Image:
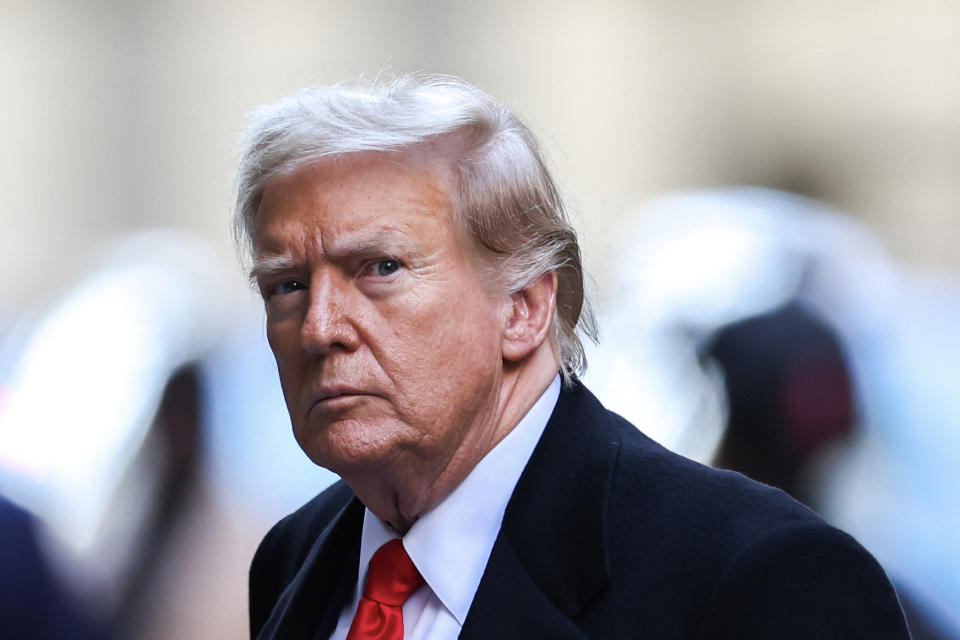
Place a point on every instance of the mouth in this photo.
(335, 396)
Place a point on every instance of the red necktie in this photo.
(391, 578)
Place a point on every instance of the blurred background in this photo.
(769, 202)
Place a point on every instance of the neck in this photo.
(406, 488)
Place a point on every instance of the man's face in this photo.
(387, 338)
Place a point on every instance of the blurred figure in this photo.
(33, 602)
(171, 458)
(789, 395)
(101, 423)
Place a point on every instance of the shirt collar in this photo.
(450, 544)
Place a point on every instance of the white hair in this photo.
(506, 200)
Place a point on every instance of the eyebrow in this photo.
(268, 265)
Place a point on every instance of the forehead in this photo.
(359, 193)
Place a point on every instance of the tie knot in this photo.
(392, 576)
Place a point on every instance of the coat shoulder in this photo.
(745, 558)
(809, 581)
(729, 507)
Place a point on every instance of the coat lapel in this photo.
(323, 583)
(509, 604)
(550, 558)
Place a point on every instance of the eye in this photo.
(287, 286)
(382, 268)
(386, 267)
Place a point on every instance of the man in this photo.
(423, 289)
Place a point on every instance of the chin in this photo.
(347, 447)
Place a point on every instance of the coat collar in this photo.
(551, 555)
(323, 583)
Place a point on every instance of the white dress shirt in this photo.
(450, 544)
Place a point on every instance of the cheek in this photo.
(279, 347)
(464, 339)
(288, 355)
(424, 342)
(283, 333)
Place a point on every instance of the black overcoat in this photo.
(608, 535)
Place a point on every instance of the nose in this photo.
(328, 325)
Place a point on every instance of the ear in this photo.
(530, 314)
